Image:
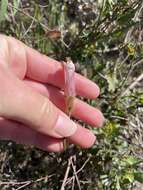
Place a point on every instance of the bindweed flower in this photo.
(69, 89)
(69, 73)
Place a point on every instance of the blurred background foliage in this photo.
(104, 38)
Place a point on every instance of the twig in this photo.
(85, 182)
(26, 32)
(132, 67)
(73, 182)
(24, 183)
(26, 14)
(78, 171)
(13, 182)
(4, 161)
(118, 117)
(66, 174)
(134, 84)
(136, 17)
(74, 170)
(121, 87)
(107, 50)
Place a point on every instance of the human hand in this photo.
(32, 102)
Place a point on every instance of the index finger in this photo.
(47, 70)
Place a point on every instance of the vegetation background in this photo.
(105, 40)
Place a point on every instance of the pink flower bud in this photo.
(69, 73)
(69, 70)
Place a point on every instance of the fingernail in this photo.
(99, 118)
(101, 122)
(65, 127)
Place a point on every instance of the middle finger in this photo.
(81, 110)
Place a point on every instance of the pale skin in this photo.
(32, 103)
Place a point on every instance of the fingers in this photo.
(21, 103)
(24, 135)
(19, 133)
(92, 116)
(83, 137)
(26, 61)
(45, 69)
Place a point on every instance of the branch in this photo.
(133, 85)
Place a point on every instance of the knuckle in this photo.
(44, 111)
(47, 115)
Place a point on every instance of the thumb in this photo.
(21, 103)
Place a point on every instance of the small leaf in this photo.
(3, 10)
(112, 81)
(127, 16)
(131, 160)
(139, 176)
(131, 50)
(111, 130)
(15, 4)
(53, 34)
(129, 176)
(141, 99)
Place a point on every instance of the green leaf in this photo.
(131, 49)
(112, 81)
(127, 16)
(141, 99)
(139, 176)
(131, 160)
(111, 130)
(3, 10)
(129, 176)
(15, 4)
